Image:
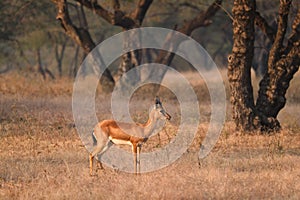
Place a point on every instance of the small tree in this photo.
(283, 63)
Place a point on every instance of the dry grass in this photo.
(42, 156)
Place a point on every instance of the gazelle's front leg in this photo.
(139, 157)
(134, 151)
(91, 158)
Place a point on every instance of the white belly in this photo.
(117, 141)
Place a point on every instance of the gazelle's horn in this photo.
(157, 101)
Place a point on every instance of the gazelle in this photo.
(108, 131)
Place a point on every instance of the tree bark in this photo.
(240, 62)
(282, 65)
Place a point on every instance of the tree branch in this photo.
(202, 19)
(83, 38)
(141, 10)
(64, 18)
(294, 38)
(80, 35)
(98, 9)
(277, 46)
(293, 48)
(118, 17)
(171, 43)
(264, 26)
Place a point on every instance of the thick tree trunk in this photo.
(240, 62)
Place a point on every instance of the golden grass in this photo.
(42, 156)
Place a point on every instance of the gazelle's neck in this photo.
(152, 125)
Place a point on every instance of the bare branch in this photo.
(292, 60)
(202, 19)
(83, 38)
(226, 11)
(98, 9)
(296, 23)
(64, 18)
(117, 18)
(264, 26)
(141, 10)
(294, 38)
(277, 46)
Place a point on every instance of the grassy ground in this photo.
(42, 157)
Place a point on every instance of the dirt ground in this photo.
(42, 156)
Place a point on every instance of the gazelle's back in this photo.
(119, 130)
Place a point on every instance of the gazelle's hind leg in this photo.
(139, 158)
(102, 145)
(99, 163)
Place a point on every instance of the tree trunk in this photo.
(41, 68)
(39, 63)
(74, 63)
(240, 62)
(59, 55)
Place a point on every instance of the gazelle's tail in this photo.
(94, 139)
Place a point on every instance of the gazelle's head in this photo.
(159, 111)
